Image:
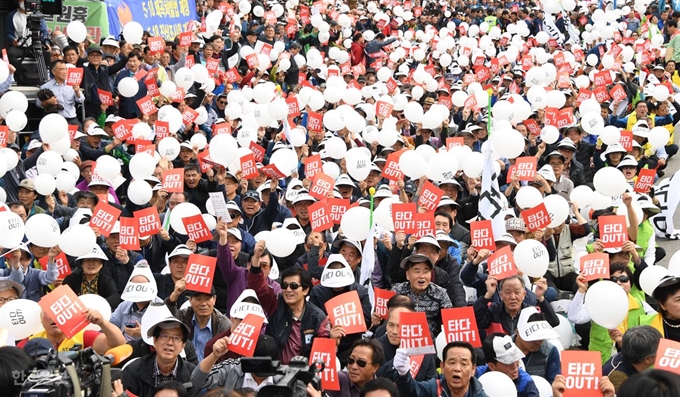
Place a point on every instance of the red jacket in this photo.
(357, 52)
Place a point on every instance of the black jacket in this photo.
(488, 312)
(138, 376)
(141, 349)
(105, 286)
(199, 195)
(427, 370)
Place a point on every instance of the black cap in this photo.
(415, 259)
(251, 32)
(251, 194)
(92, 49)
(410, 187)
(85, 194)
(266, 347)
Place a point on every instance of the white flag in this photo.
(491, 202)
(367, 265)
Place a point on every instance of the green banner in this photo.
(91, 13)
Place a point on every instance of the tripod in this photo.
(36, 51)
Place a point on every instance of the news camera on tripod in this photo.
(28, 39)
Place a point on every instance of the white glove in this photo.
(401, 362)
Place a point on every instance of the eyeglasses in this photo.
(222, 102)
(5, 300)
(166, 337)
(293, 286)
(621, 279)
(361, 363)
(234, 214)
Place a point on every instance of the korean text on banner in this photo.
(91, 13)
(345, 310)
(244, 338)
(166, 18)
(415, 334)
(64, 308)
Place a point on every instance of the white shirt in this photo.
(20, 27)
(248, 381)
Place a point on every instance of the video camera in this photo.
(296, 375)
(75, 373)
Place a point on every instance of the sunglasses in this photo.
(622, 279)
(293, 286)
(222, 102)
(234, 214)
(360, 363)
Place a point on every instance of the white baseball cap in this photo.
(535, 330)
(506, 351)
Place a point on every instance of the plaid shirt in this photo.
(159, 377)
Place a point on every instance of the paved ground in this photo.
(671, 246)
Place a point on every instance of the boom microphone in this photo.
(119, 354)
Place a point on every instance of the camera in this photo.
(296, 375)
(83, 373)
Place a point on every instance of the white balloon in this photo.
(45, 184)
(65, 182)
(53, 127)
(331, 169)
(412, 164)
(278, 242)
(107, 167)
(473, 165)
(128, 87)
(12, 100)
(49, 162)
(607, 304)
(498, 384)
(13, 229)
(358, 164)
(43, 230)
(133, 32)
(528, 197)
(16, 120)
(544, 387)
(336, 148)
(659, 137)
(286, 161)
(77, 240)
(660, 93)
(142, 165)
(355, 223)
(139, 192)
(223, 149)
(169, 147)
(582, 195)
(168, 88)
(565, 331)
(184, 78)
(673, 264)
(198, 140)
(76, 31)
(610, 182)
(442, 166)
(98, 303)
(650, 277)
(201, 74)
(610, 135)
(558, 208)
(25, 309)
(531, 257)
(508, 143)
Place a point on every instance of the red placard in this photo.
(141, 73)
(173, 180)
(381, 298)
(314, 122)
(189, 116)
(232, 75)
(667, 355)
(142, 146)
(322, 186)
(392, 170)
(105, 97)
(645, 180)
(196, 229)
(313, 165)
(345, 310)
(618, 93)
(148, 220)
(258, 151)
(565, 117)
(424, 224)
(72, 129)
(221, 128)
(454, 142)
(383, 109)
(213, 65)
(74, 76)
(613, 230)
(582, 370)
(62, 264)
(162, 129)
(601, 94)
(156, 45)
(248, 166)
(200, 271)
(323, 349)
(146, 105)
(64, 308)
(595, 266)
(502, 264)
(104, 217)
(536, 218)
(121, 130)
(583, 95)
(272, 171)
(415, 334)
(471, 102)
(320, 216)
(293, 106)
(252, 60)
(460, 324)
(481, 235)
(626, 140)
(152, 88)
(204, 160)
(185, 39)
(244, 338)
(525, 168)
(391, 85)
(338, 208)
(129, 238)
(178, 95)
(403, 217)
(430, 196)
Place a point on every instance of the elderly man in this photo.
(365, 358)
(256, 218)
(457, 378)
(177, 263)
(65, 97)
(141, 376)
(9, 291)
(638, 353)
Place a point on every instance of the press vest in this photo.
(564, 262)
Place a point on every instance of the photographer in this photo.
(14, 364)
(18, 37)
